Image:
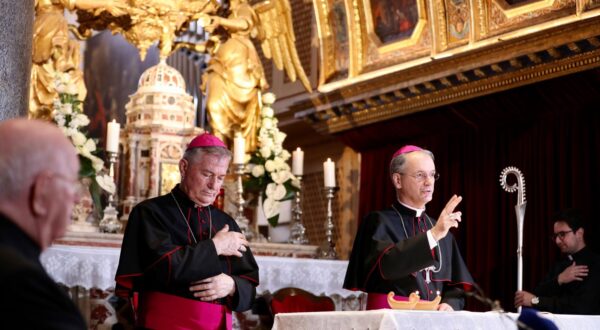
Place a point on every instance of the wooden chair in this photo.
(294, 300)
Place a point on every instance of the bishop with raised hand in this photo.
(402, 249)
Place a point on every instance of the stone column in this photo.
(16, 34)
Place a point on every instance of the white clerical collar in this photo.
(418, 211)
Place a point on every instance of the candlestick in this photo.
(239, 149)
(110, 222)
(297, 230)
(329, 173)
(298, 162)
(240, 218)
(112, 136)
(327, 250)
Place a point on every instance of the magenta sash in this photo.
(379, 300)
(159, 310)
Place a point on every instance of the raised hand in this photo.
(213, 288)
(573, 273)
(230, 243)
(447, 219)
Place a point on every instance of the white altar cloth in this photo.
(85, 266)
(95, 267)
(321, 277)
(431, 320)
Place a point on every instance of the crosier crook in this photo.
(520, 210)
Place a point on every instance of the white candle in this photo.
(329, 173)
(298, 162)
(112, 136)
(239, 149)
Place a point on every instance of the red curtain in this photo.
(550, 131)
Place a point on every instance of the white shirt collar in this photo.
(418, 211)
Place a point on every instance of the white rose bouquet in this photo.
(69, 117)
(269, 174)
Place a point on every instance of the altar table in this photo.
(89, 272)
(95, 267)
(430, 320)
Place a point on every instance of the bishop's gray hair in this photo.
(195, 154)
(399, 162)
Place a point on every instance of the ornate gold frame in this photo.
(505, 46)
(327, 49)
(431, 36)
(372, 55)
(497, 17)
(530, 7)
(414, 38)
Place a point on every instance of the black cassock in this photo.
(159, 253)
(388, 256)
(29, 298)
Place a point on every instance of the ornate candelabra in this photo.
(297, 230)
(240, 218)
(328, 249)
(110, 222)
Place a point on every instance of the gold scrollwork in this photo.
(511, 11)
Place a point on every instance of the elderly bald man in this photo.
(38, 188)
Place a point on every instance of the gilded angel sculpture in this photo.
(235, 76)
(54, 52)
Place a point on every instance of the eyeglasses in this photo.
(560, 234)
(422, 176)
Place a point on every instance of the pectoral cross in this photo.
(428, 274)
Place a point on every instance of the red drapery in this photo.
(550, 131)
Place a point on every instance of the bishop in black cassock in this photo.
(398, 249)
(30, 299)
(160, 254)
(186, 259)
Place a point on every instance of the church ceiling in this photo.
(375, 66)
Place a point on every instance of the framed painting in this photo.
(393, 21)
(395, 24)
(333, 22)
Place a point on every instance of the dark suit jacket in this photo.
(29, 298)
(577, 297)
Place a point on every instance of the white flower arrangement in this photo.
(68, 115)
(269, 173)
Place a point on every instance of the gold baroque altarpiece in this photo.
(419, 54)
(426, 29)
